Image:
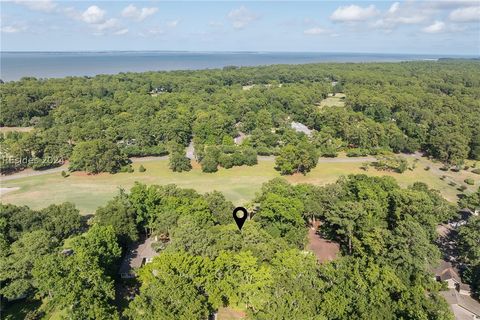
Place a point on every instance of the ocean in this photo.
(15, 65)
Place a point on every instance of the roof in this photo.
(300, 127)
(464, 286)
(446, 271)
(137, 254)
(466, 302)
(239, 139)
(448, 274)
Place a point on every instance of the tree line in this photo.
(390, 107)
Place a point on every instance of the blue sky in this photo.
(437, 27)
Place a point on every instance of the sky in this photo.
(430, 27)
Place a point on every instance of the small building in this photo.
(239, 139)
(300, 127)
(139, 254)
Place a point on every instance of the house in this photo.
(300, 127)
(139, 254)
(463, 307)
(239, 139)
(458, 294)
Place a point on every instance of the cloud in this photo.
(121, 32)
(12, 29)
(108, 25)
(467, 14)
(93, 15)
(38, 5)
(315, 31)
(436, 27)
(400, 14)
(241, 17)
(451, 4)
(173, 23)
(138, 14)
(353, 13)
(394, 7)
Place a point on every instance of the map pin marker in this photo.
(240, 214)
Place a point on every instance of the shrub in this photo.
(141, 168)
(225, 161)
(476, 171)
(264, 151)
(130, 169)
(462, 188)
(179, 162)
(427, 168)
(451, 183)
(469, 181)
(209, 163)
(64, 174)
(250, 157)
(357, 152)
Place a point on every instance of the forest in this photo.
(68, 264)
(97, 123)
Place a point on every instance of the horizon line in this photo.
(240, 52)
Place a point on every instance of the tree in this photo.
(76, 284)
(296, 290)
(62, 220)
(220, 207)
(16, 266)
(179, 162)
(209, 163)
(295, 159)
(170, 297)
(120, 214)
(172, 288)
(100, 244)
(282, 217)
(97, 156)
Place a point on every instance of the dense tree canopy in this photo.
(386, 235)
(403, 107)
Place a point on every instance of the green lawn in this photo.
(239, 184)
(333, 101)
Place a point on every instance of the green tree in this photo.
(179, 162)
(120, 214)
(16, 265)
(97, 156)
(295, 159)
(209, 163)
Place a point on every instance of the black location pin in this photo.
(240, 214)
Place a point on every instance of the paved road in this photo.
(31, 173)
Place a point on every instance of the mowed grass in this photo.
(333, 101)
(88, 192)
(239, 184)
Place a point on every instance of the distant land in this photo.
(15, 65)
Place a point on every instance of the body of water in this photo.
(15, 65)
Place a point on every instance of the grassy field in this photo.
(333, 101)
(239, 184)
(15, 129)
